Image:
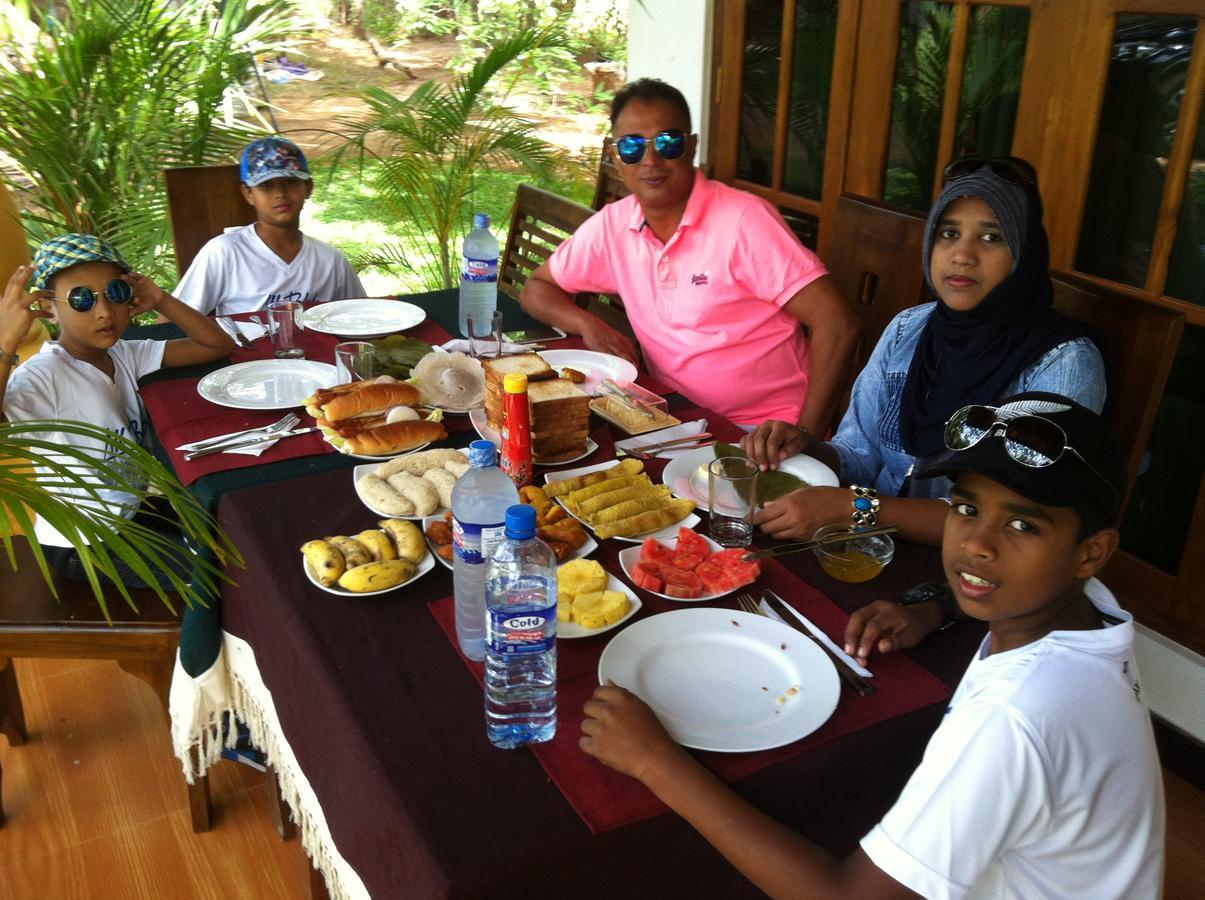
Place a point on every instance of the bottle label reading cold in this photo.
(479, 270)
(475, 544)
(521, 632)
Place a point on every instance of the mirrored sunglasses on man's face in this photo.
(669, 144)
(82, 298)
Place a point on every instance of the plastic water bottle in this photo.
(520, 643)
(479, 503)
(478, 273)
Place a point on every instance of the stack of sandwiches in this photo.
(560, 410)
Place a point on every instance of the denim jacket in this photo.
(868, 439)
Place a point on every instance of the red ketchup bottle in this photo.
(516, 430)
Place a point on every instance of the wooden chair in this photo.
(202, 202)
(34, 624)
(1138, 340)
(541, 221)
(609, 186)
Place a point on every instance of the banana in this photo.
(408, 538)
(325, 560)
(378, 545)
(354, 553)
(377, 576)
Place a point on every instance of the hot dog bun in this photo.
(396, 437)
(370, 399)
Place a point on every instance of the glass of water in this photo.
(284, 321)
(732, 499)
(355, 361)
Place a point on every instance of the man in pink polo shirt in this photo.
(714, 283)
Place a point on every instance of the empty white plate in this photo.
(266, 383)
(363, 318)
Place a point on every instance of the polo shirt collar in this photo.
(696, 206)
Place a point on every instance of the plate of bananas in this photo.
(375, 561)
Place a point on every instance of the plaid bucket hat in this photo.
(68, 250)
(270, 158)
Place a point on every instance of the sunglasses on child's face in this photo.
(670, 144)
(1012, 169)
(82, 298)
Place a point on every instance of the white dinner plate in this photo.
(686, 475)
(479, 421)
(360, 471)
(664, 534)
(724, 680)
(363, 317)
(420, 570)
(266, 383)
(594, 365)
(584, 550)
(629, 556)
(375, 457)
(570, 631)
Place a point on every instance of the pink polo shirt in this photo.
(706, 306)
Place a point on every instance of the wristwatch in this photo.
(938, 591)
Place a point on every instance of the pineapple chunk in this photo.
(580, 576)
(564, 609)
(599, 608)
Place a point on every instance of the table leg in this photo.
(282, 819)
(12, 713)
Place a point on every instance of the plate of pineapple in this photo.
(590, 600)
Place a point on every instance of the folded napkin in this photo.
(683, 429)
(248, 451)
(249, 330)
(461, 345)
(828, 642)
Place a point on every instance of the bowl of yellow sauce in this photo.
(856, 559)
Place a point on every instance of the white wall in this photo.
(671, 40)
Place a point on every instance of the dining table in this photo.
(374, 721)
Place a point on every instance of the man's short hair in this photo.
(649, 89)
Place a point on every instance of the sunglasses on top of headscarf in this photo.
(1012, 169)
(670, 144)
(82, 298)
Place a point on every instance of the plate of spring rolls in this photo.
(619, 500)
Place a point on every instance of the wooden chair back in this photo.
(541, 221)
(202, 202)
(1138, 340)
(609, 186)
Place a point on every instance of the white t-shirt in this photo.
(53, 384)
(1042, 780)
(237, 272)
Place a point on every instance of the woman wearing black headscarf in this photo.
(990, 334)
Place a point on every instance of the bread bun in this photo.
(396, 438)
(370, 399)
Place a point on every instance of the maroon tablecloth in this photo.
(390, 731)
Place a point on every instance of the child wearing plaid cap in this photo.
(246, 268)
(90, 374)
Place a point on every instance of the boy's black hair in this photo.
(649, 89)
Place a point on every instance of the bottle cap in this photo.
(514, 383)
(481, 220)
(521, 522)
(481, 454)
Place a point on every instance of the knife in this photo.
(222, 448)
(848, 675)
(635, 403)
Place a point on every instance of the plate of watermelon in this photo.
(690, 568)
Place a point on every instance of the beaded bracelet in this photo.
(9, 359)
(866, 506)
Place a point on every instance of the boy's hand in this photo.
(621, 732)
(17, 311)
(147, 294)
(800, 513)
(887, 626)
(773, 441)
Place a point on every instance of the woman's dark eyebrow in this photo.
(986, 223)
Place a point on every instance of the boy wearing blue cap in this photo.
(270, 259)
(89, 374)
(1042, 779)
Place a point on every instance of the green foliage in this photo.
(100, 533)
(116, 90)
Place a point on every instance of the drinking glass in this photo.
(284, 321)
(355, 361)
(732, 498)
(485, 335)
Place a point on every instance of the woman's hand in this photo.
(773, 441)
(887, 626)
(600, 336)
(147, 294)
(621, 732)
(800, 513)
(17, 311)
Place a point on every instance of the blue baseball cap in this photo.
(270, 158)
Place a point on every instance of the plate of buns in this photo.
(412, 486)
(374, 419)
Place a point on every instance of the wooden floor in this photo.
(97, 809)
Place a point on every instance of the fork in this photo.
(848, 675)
(238, 334)
(283, 425)
(260, 322)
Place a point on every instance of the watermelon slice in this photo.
(645, 575)
(680, 583)
(653, 551)
(692, 549)
(725, 571)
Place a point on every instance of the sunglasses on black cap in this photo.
(82, 298)
(1030, 440)
(1012, 169)
(670, 144)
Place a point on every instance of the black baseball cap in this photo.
(1089, 471)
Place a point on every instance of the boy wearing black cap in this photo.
(1042, 779)
(247, 268)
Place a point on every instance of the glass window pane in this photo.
(805, 226)
(1155, 526)
(759, 90)
(1186, 268)
(920, 88)
(811, 77)
(1137, 125)
(991, 81)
